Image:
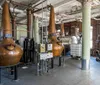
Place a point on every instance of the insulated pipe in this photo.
(28, 22)
(36, 30)
(17, 10)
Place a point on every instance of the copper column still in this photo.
(10, 53)
(57, 46)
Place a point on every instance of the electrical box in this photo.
(42, 48)
(49, 47)
(44, 56)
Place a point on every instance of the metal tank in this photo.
(57, 46)
(10, 53)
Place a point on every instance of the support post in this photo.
(12, 71)
(0, 76)
(52, 63)
(29, 16)
(14, 32)
(86, 23)
(36, 30)
(15, 73)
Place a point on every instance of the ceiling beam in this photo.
(79, 11)
(38, 4)
(63, 2)
(79, 16)
(41, 9)
(18, 3)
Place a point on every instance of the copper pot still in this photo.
(57, 46)
(10, 53)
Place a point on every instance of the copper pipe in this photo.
(10, 53)
(28, 22)
(62, 29)
(57, 46)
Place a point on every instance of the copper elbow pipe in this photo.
(10, 53)
(57, 46)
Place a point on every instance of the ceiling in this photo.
(65, 10)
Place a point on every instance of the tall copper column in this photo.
(10, 53)
(57, 47)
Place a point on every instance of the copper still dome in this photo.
(10, 53)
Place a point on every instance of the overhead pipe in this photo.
(21, 23)
(57, 46)
(10, 53)
(41, 9)
(36, 29)
(23, 13)
(17, 10)
(19, 4)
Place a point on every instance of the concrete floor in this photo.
(68, 74)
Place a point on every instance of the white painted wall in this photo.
(21, 31)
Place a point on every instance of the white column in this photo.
(36, 30)
(86, 24)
